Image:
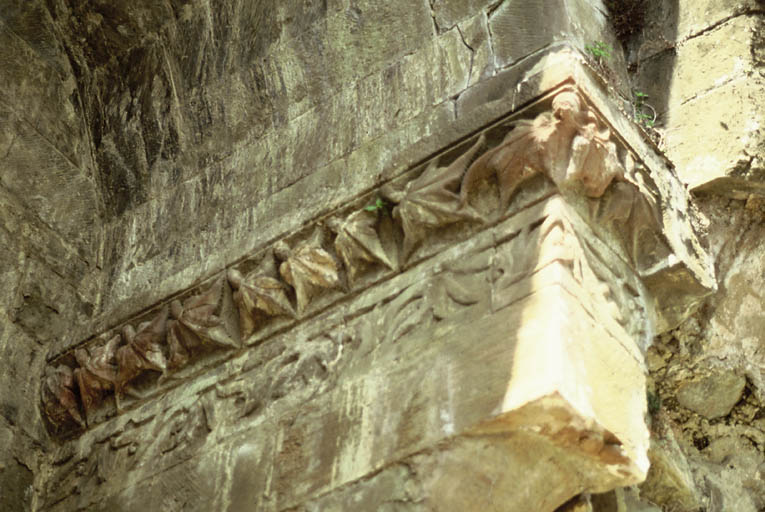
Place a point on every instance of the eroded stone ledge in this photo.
(392, 230)
(527, 268)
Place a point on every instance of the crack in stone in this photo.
(723, 21)
(672, 46)
(35, 127)
(433, 17)
(490, 38)
(10, 146)
(701, 94)
(493, 7)
(472, 59)
(30, 216)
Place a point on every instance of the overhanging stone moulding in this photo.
(570, 248)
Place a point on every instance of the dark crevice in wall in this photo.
(628, 17)
(642, 24)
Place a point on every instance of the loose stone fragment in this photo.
(712, 396)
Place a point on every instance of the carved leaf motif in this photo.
(564, 144)
(358, 241)
(309, 268)
(183, 429)
(258, 295)
(431, 200)
(404, 314)
(447, 290)
(517, 158)
(59, 399)
(97, 373)
(142, 352)
(637, 217)
(594, 162)
(198, 322)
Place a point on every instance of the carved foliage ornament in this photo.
(566, 144)
(358, 242)
(259, 296)
(307, 268)
(197, 323)
(432, 200)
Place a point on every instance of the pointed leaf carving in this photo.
(404, 314)
(358, 242)
(142, 352)
(431, 200)
(59, 398)
(308, 268)
(258, 296)
(198, 322)
(565, 144)
(97, 373)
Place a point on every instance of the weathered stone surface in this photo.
(568, 146)
(518, 29)
(739, 470)
(150, 146)
(696, 17)
(59, 193)
(22, 353)
(47, 304)
(622, 500)
(17, 490)
(421, 322)
(728, 340)
(712, 396)
(734, 332)
(712, 119)
(670, 481)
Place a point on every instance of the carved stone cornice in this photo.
(628, 219)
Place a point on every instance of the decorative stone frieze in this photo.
(258, 297)
(534, 260)
(200, 323)
(309, 268)
(431, 200)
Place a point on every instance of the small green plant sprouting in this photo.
(645, 114)
(599, 50)
(379, 205)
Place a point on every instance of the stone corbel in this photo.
(592, 273)
(573, 250)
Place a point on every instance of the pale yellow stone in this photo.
(706, 146)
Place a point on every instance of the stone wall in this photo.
(704, 71)
(152, 147)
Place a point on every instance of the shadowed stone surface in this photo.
(149, 148)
